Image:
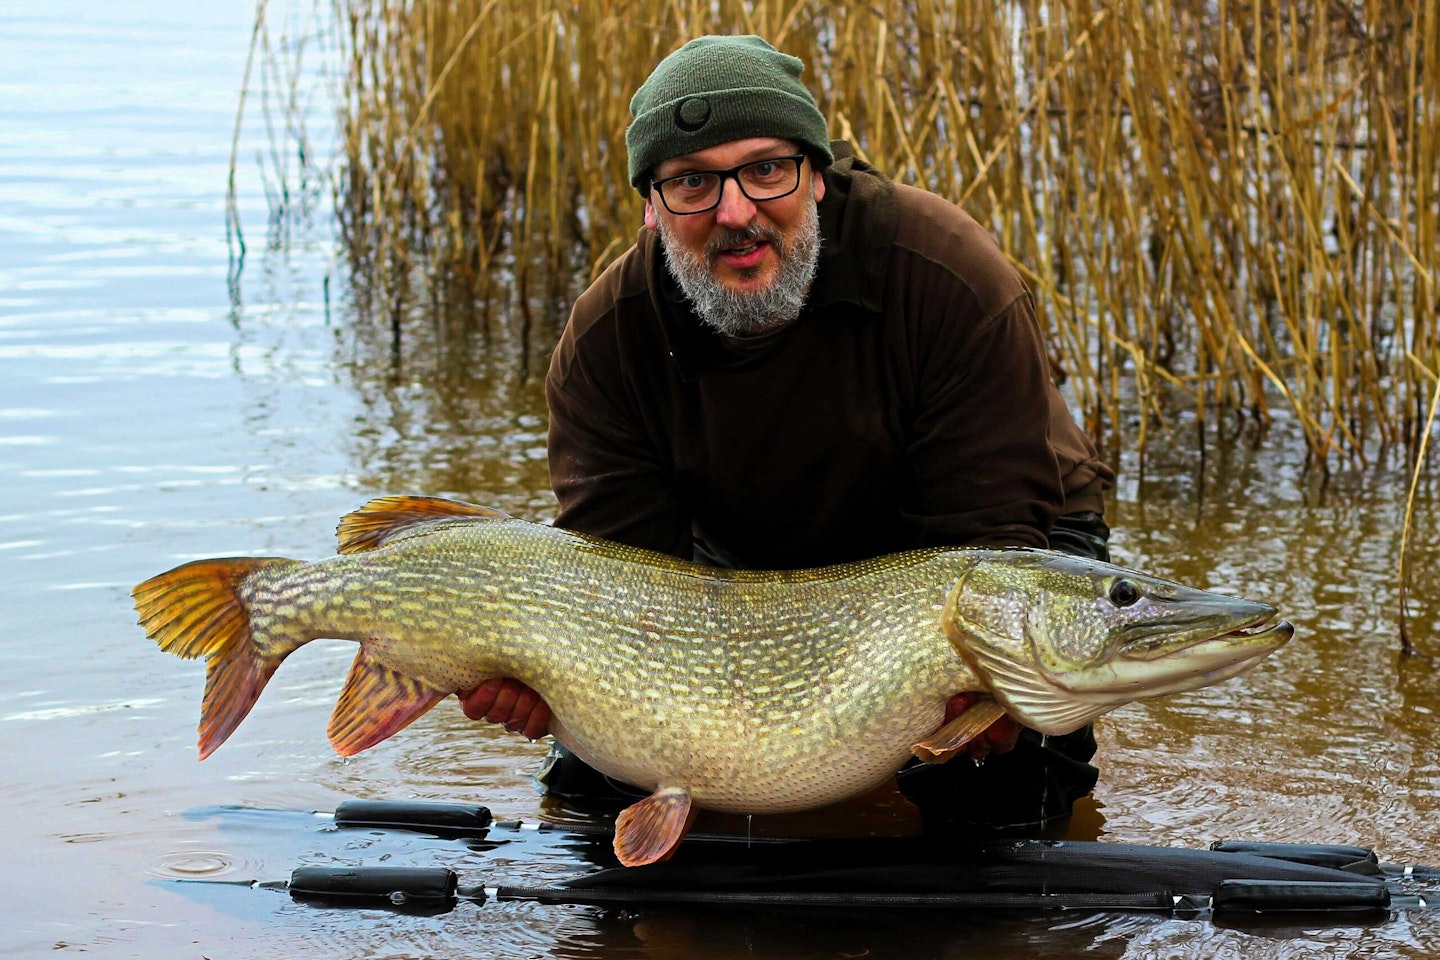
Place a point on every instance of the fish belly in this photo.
(737, 767)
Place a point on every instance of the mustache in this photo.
(745, 236)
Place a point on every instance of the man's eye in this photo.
(695, 181)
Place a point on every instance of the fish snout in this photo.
(1177, 624)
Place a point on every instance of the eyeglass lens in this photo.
(759, 180)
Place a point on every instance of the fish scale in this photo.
(737, 691)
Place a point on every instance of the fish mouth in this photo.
(1169, 658)
(1154, 641)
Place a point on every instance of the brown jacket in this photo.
(909, 405)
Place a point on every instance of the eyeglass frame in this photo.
(731, 174)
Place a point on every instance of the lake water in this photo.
(154, 409)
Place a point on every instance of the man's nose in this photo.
(735, 209)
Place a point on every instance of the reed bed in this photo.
(1223, 207)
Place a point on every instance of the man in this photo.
(801, 363)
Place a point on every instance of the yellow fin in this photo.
(385, 518)
(649, 831)
(948, 740)
(195, 610)
(376, 702)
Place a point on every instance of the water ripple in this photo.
(202, 865)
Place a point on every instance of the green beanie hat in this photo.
(717, 89)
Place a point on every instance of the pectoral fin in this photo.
(649, 831)
(377, 701)
(958, 732)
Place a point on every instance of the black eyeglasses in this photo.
(760, 180)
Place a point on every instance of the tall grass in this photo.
(1223, 207)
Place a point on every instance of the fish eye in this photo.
(1124, 592)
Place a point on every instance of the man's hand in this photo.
(999, 737)
(508, 702)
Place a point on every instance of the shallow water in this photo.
(152, 412)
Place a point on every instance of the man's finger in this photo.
(1002, 736)
(504, 705)
(537, 724)
(957, 705)
(476, 703)
(518, 714)
(530, 715)
(510, 703)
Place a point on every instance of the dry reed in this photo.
(1221, 206)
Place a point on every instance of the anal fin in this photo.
(377, 701)
(649, 831)
(948, 740)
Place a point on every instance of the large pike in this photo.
(737, 691)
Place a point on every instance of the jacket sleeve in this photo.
(1084, 476)
(983, 468)
(608, 467)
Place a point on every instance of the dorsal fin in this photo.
(385, 518)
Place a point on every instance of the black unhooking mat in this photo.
(905, 872)
(1027, 874)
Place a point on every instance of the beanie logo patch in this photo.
(692, 113)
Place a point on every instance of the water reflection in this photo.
(458, 410)
(479, 438)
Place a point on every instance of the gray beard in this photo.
(736, 314)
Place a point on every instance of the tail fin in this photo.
(194, 611)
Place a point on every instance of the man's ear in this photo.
(817, 183)
(651, 221)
